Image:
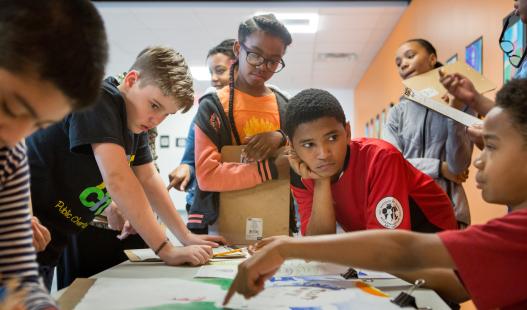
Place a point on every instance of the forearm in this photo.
(215, 175)
(482, 104)
(442, 280)
(128, 194)
(322, 220)
(384, 250)
(160, 201)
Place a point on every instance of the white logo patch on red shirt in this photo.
(389, 212)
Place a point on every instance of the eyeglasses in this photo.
(255, 59)
(508, 47)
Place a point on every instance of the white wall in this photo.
(176, 126)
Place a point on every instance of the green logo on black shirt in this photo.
(96, 198)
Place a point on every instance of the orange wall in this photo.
(450, 25)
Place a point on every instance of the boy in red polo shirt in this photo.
(484, 262)
(357, 183)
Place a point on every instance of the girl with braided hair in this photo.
(247, 112)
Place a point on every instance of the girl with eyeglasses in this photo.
(463, 90)
(433, 143)
(247, 112)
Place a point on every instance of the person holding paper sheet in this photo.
(433, 143)
(485, 263)
(463, 89)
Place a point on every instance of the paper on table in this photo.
(295, 267)
(298, 267)
(217, 271)
(371, 274)
(147, 255)
(317, 298)
(166, 293)
(240, 253)
(141, 255)
(117, 294)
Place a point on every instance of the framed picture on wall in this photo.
(181, 142)
(512, 44)
(452, 59)
(474, 54)
(164, 141)
(377, 127)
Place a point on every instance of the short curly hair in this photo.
(59, 41)
(309, 105)
(167, 69)
(512, 97)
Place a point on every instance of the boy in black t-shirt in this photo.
(101, 154)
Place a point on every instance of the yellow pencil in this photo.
(227, 252)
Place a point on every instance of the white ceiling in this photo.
(194, 27)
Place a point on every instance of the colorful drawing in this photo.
(365, 287)
(515, 33)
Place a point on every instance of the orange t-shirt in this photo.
(252, 115)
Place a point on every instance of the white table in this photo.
(424, 297)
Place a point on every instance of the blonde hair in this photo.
(168, 70)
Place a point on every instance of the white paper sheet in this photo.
(145, 254)
(314, 298)
(298, 267)
(371, 274)
(117, 293)
(217, 271)
(148, 254)
(157, 293)
(442, 108)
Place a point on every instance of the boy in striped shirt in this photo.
(49, 66)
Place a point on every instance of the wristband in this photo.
(163, 244)
(284, 137)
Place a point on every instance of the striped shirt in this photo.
(17, 254)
